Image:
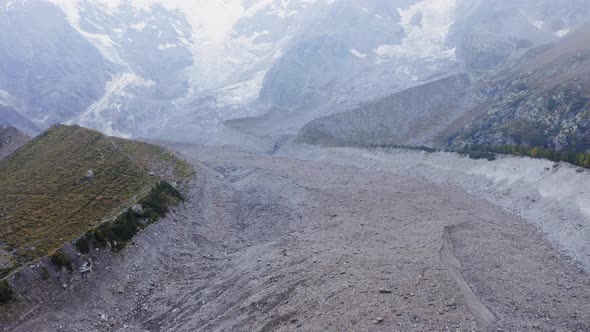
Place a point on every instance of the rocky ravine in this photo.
(268, 243)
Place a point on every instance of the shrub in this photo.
(121, 230)
(490, 156)
(5, 292)
(83, 245)
(521, 86)
(61, 260)
(157, 202)
(155, 205)
(44, 273)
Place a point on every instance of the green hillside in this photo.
(49, 198)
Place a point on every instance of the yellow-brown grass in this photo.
(46, 199)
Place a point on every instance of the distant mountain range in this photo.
(179, 71)
(541, 99)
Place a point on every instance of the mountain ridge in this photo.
(171, 69)
(69, 180)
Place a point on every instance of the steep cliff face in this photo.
(411, 117)
(541, 100)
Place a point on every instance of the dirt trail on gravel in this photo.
(274, 244)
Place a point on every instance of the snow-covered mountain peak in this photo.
(141, 67)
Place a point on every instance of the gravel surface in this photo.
(554, 197)
(267, 243)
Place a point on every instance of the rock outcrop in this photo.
(541, 100)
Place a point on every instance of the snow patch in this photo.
(8, 4)
(105, 46)
(4, 94)
(538, 24)
(102, 42)
(115, 88)
(240, 93)
(561, 33)
(166, 46)
(357, 53)
(7, 99)
(425, 41)
(138, 26)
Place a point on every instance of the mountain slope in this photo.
(10, 140)
(68, 180)
(488, 34)
(411, 117)
(541, 100)
(49, 69)
(10, 117)
(358, 50)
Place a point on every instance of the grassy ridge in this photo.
(47, 200)
(153, 156)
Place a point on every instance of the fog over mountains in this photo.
(176, 70)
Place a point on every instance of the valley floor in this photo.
(269, 243)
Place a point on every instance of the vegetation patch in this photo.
(83, 245)
(488, 152)
(44, 273)
(62, 260)
(70, 180)
(5, 292)
(406, 147)
(523, 133)
(579, 158)
(119, 232)
(489, 156)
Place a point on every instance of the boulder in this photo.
(137, 210)
(85, 267)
